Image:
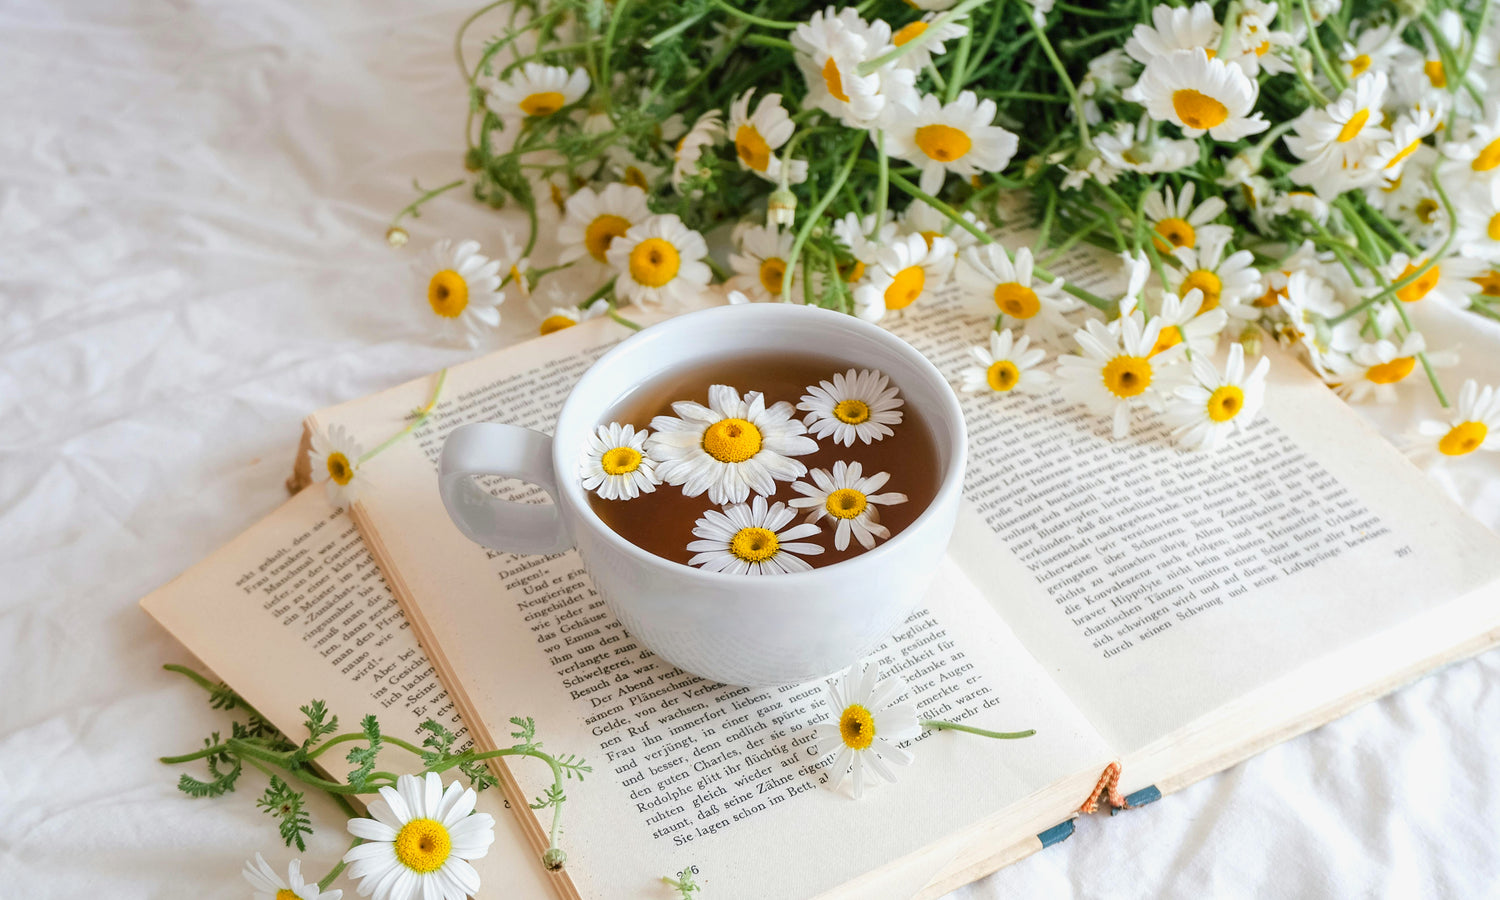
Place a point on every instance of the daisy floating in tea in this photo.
(745, 467)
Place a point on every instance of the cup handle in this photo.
(488, 448)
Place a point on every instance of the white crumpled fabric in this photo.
(192, 198)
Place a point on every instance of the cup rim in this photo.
(564, 459)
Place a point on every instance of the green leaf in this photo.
(479, 775)
(439, 743)
(318, 724)
(364, 757)
(525, 734)
(223, 779)
(285, 804)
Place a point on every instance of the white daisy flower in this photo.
(829, 47)
(758, 135)
(270, 886)
(1257, 47)
(557, 318)
(870, 724)
(463, 287)
(1478, 233)
(1378, 366)
(1309, 302)
(1173, 28)
(1178, 223)
(1407, 136)
(592, 221)
(752, 539)
(1225, 281)
(860, 403)
(932, 44)
(419, 842)
(958, 137)
(1476, 155)
(848, 498)
(1474, 425)
(1449, 281)
(334, 457)
(615, 464)
(1184, 321)
(1339, 143)
(1199, 95)
(994, 282)
(906, 270)
(760, 264)
(659, 260)
(1116, 372)
(536, 90)
(861, 237)
(1374, 49)
(1207, 412)
(730, 447)
(1007, 364)
(1137, 149)
(705, 133)
(921, 218)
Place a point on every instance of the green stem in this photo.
(751, 18)
(939, 725)
(622, 320)
(1332, 73)
(1067, 81)
(765, 40)
(1431, 261)
(413, 208)
(882, 183)
(422, 415)
(813, 216)
(960, 62)
(338, 869)
(675, 30)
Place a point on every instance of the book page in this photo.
(1158, 583)
(295, 609)
(688, 772)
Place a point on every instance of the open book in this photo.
(1155, 614)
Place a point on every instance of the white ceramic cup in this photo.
(736, 629)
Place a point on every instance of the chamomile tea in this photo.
(762, 464)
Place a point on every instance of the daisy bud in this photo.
(1411, 9)
(472, 162)
(554, 859)
(1033, 166)
(396, 236)
(781, 208)
(1250, 340)
(1322, 331)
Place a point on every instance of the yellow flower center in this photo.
(448, 294)
(1406, 151)
(1435, 73)
(556, 323)
(1262, 48)
(1170, 337)
(1422, 286)
(1488, 158)
(636, 178)
(943, 143)
(1198, 110)
(1465, 437)
(654, 262)
(1175, 232)
(1225, 403)
(423, 845)
(1017, 300)
(1426, 209)
(602, 232)
(339, 469)
(930, 236)
(286, 894)
(1493, 230)
(1003, 375)
(1489, 283)
(834, 81)
(542, 103)
(1390, 187)
(852, 412)
(1391, 372)
(1271, 298)
(771, 273)
(731, 440)
(1359, 64)
(905, 288)
(854, 271)
(754, 544)
(1207, 282)
(754, 152)
(857, 727)
(620, 460)
(1353, 127)
(1127, 376)
(846, 503)
(907, 32)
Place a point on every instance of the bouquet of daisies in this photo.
(1315, 172)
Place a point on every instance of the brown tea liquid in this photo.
(662, 522)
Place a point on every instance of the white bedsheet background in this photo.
(191, 203)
